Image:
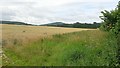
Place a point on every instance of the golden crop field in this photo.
(15, 35)
(21, 34)
(25, 45)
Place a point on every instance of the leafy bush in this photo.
(111, 20)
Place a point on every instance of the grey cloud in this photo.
(6, 14)
(71, 12)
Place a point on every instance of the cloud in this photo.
(46, 11)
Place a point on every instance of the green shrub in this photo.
(111, 23)
(111, 20)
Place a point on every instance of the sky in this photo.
(48, 11)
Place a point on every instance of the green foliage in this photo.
(85, 48)
(111, 20)
(111, 23)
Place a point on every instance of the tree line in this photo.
(74, 25)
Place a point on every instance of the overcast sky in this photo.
(48, 11)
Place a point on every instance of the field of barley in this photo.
(55, 46)
(21, 34)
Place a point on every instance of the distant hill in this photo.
(75, 25)
(54, 24)
(58, 24)
(14, 22)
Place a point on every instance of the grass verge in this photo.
(85, 48)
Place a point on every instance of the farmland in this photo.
(15, 35)
(55, 46)
(59, 33)
(20, 34)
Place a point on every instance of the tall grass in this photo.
(85, 48)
